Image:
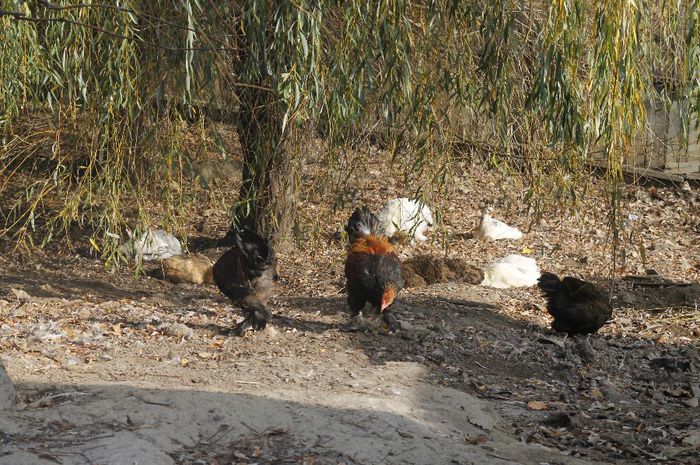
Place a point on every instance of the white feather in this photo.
(410, 217)
(155, 244)
(511, 271)
(493, 229)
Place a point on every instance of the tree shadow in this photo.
(473, 347)
(68, 287)
(79, 424)
(200, 244)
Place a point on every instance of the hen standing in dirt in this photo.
(372, 268)
(578, 307)
(246, 274)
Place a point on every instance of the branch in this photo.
(23, 17)
(50, 6)
(14, 14)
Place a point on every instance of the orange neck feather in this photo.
(372, 245)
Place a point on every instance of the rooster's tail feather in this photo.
(362, 223)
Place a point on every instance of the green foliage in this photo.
(536, 86)
(108, 88)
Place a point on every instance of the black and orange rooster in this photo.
(578, 307)
(246, 274)
(372, 268)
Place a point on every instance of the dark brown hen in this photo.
(246, 274)
(372, 268)
(578, 307)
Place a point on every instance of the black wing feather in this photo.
(578, 306)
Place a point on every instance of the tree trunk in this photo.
(7, 390)
(267, 194)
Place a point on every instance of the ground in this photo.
(112, 368)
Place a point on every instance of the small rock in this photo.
(407, 326)
(270, 331)
(692, 439)
(692, 402)
(585, 350)
(670, 364)
(21, 295)
(611, 392)
(557, 420)
(177, 330)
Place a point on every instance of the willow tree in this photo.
(550, 81)
(539, 85)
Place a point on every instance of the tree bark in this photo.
(7, 390)
(267, 193)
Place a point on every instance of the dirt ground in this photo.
(110, 368)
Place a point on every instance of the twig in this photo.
(223, 429)
(152, 402)
(53, 7)
(250, 428)
(22, 17)
(649, 454)
(255, 383)
(498, 456)
(56, 396)
(686, 316)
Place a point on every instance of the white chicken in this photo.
(406, 216)
(154, 244)
(493, 229)
(511, 271)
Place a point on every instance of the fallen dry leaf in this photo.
(596, 394)
(537, 405)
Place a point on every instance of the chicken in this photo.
(407, 217)
(372, 268)
(511, 271)
(578, 307)
(493, 229)
(246, 274)
(154, 244)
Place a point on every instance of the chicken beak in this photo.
(387, 298)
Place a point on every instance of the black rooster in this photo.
(372, 268)
(246, 274)
(578, 307)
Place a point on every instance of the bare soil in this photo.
(111, 368)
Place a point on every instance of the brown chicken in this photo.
(246, 274)
(578, 307)
(372, 268)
